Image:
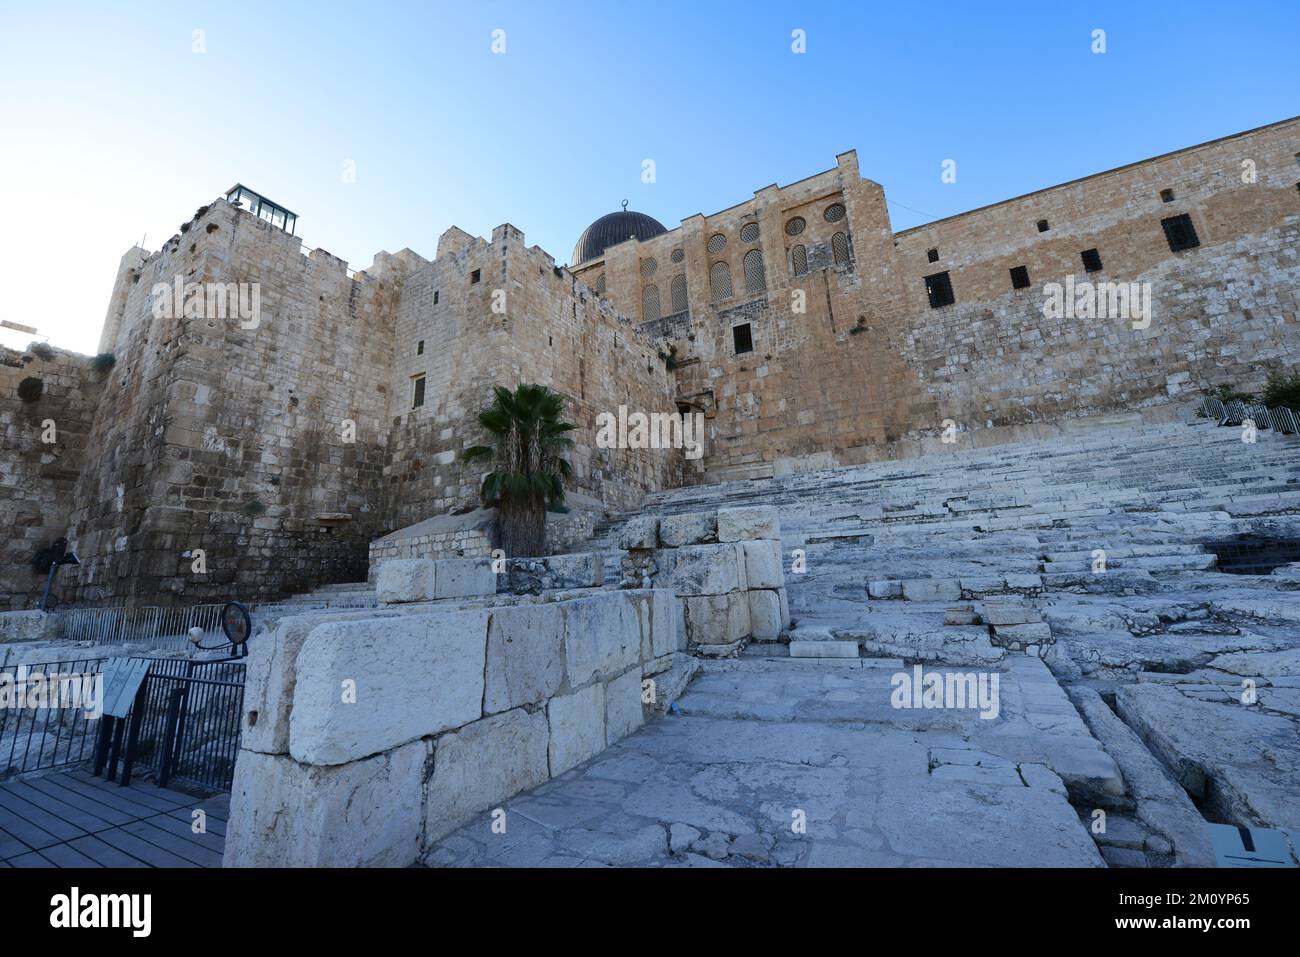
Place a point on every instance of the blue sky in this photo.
(112, 128)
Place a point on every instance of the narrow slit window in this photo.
(435, 297)
(419, 348)
(417, 394)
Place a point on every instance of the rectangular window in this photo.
(1166, 196)
(742, 338)
(474, 276)
(435, 297)
(417, 399)
(1042, 226)
(1091, 260)
(1180, 232)
(419, 348)
(939, 288)
(1019, 277)
(933, 255)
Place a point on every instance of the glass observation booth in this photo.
(261, 207)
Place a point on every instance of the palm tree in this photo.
(529, 437)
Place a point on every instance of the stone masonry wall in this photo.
(505, 314)
(231, 439)
(850, 362)
(456, 710)
(37, 477)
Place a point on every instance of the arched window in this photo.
(677, 293)
(650, 303)
(840, 247)
(755, 281)
(799, 261)
(720, 282)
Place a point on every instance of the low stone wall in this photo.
(725, 566)
(367, 736)
(445, 536)
(22, 626)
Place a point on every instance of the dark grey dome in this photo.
(613, 229)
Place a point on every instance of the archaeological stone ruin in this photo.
(977, 562)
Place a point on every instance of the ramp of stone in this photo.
(806, 763)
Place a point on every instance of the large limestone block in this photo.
(525, 656)
(765, 615)
(639, 532)
(602, 636)
(363, 814)
(623, 710)
(271, 674)
(582, 570)
(464, 578)
(405, 579)
(483, 764)
(749, 522)
(763, 564)
(932, 589)
(577, 727)
(709, 569)
(785, 607)
(414, 676)
(16, 626)
(717, 619)
(1243, 764)
(693, 528)
(659, 614)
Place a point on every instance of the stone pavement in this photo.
(764, 744)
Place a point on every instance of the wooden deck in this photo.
(73, 819)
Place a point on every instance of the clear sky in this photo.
(112, 127)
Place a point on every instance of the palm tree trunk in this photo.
(523, 526)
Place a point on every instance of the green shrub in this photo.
(1228, 393)
(103, 362)
(1282, 390)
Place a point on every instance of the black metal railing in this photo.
(183, 724)
(36, 739)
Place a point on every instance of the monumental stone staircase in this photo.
(1103, 532)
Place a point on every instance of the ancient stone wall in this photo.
(37, 476)
(500, 313)
(231, 435)
(848, 357)
(459, 708)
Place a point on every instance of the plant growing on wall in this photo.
(103, 362)
(529, 437)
